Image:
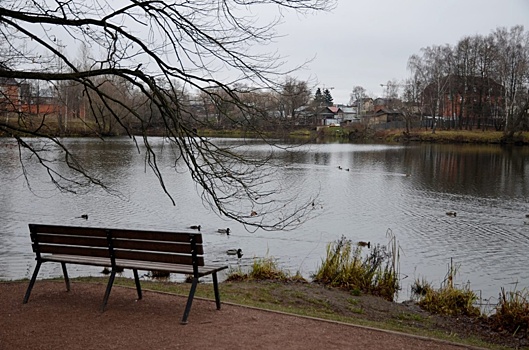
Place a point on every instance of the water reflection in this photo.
(407, 189)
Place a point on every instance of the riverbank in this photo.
(154, 320)
(354, 133)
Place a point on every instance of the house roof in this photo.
(380, 111)
(348, 110)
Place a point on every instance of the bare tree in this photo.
(294, 94)
(357, 96)
(512, 69)
(151, 45)
(480, 81)
(430, 70)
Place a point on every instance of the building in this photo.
(467, 100)
(9, 94)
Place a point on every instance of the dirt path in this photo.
(56, 319)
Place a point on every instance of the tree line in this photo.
(482, 81)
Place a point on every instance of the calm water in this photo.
(488, 187)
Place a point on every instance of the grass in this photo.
(453, 136)
(376, 273)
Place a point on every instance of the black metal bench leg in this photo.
(32, 281)
(190, 300)
(109, 288)
(216, 289)
(137, 281)
(66, 278)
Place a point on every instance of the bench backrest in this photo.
(157, 246)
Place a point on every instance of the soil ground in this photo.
(56, 319)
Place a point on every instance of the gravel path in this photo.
(56, 319)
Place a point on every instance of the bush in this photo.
(376, 273)
(264, 269)
(448, 299)
(512, 311)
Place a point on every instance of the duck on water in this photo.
(224, 230)
(237, 252)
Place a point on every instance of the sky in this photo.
(368, 43)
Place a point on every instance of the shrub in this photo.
(264, 269)
(512, 311)
(448, 299)
(376, 273)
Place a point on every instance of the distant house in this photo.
(364, 105)
(387, 115)
(9, 94)
(330, 116)
(17, 97)
(349, 114)
(467, 99)
(385, 103)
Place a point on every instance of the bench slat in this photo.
(68, 230)
(176, 268)
(70, 240)
(133, 264)
(156, 235)
(70, 250)
(184, 248)
(77, 259)
(157, 257)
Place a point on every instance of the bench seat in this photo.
(133, 264)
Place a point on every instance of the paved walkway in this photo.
(56, 319)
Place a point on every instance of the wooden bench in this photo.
(118, 249)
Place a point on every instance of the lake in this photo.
(404, 189)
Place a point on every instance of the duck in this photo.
(195, 227)
(224, 230)
(107, 270)
(237, 252)
(339, 167)
(364, 244)
(451, 213)
(84, 216)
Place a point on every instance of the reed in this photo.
(376, 273)
(512, 311)
(449, 299)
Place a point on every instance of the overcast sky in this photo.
(367, 43)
